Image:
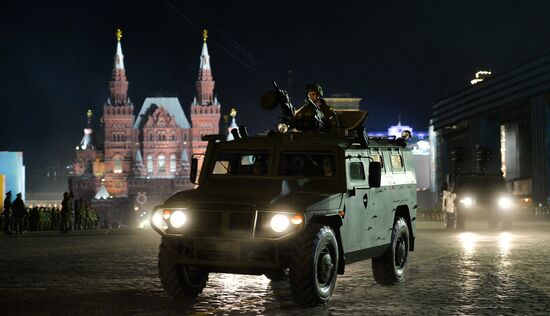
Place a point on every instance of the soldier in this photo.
(19, 213)
(306, 113)
(314, 115)
(7, 213)
(65, 210)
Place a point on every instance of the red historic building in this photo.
(138, 161)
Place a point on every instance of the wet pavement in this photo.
(476, 272)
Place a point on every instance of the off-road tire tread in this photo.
(302, 276)
(170, 277)
(382, 267)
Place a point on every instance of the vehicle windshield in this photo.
(240, 163)
(307, 165)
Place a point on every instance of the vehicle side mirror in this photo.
(375, 174)
(193, 172)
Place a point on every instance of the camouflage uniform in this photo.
(304, 118)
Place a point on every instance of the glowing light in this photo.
(178, 219)
(158, 221)
(505, 242)
(505, 202)
(296, 219)
(480, 76)
(468, 241)
(279, 223)
(467, 201)
(283, 128)
(144, 224)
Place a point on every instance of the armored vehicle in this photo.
(477, 196)
(295, 206)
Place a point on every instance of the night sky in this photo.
(401, 57)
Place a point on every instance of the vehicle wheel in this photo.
(460, 220)
(449, 221)
(314, 266)
(389, 269)
(276, 276)
(178, 280)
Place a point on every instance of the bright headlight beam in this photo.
(467, 201)
(280, 223)
(505, 202)
(158, 221)
(178, 219)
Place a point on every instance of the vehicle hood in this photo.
(285, 196)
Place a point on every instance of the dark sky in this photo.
(401, 57)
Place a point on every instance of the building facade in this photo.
(136, 161)
(507, 114)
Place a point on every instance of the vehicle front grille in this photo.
(225, 224)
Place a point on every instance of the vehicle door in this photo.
(359, 237)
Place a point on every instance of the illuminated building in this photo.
(143, 159)
(12, 173)
(343, 101)
(507, 115)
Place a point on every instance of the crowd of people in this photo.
(73, 214)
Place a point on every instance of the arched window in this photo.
(161, 164)
(117, 165)
(149, 163)
(172, 163)
(150, 136)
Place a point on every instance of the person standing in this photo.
(19, 213)
(7, 213)
(65, 210)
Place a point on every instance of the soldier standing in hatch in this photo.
(314, 115)
(6, 214)
(19, 213)
(306, 113)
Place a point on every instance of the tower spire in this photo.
(205, 82)
(119, 84)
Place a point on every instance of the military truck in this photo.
(477, 195)
(295, 206)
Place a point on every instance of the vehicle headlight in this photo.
(158, 221)
(280, 223)
(505, 202)
(178, 219)
(467, 201)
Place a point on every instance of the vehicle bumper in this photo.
(231, 256)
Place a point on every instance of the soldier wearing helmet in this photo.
(307, 118)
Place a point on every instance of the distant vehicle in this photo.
(292, 205)
(484, 195)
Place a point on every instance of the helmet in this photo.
(314, 87)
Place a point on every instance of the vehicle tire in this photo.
(460, 219)
(277, 276)
(314, 266)
(178, 280)
(449, 221)
(389, 268)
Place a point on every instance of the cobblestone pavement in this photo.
(476, 272)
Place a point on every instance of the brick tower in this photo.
(118, 117)
(205, 109)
